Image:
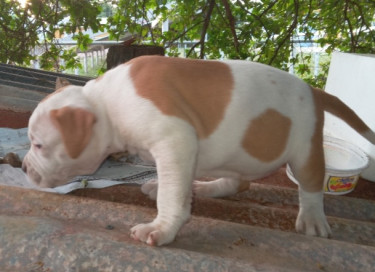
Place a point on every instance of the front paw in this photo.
(313, 224)
(153, 234)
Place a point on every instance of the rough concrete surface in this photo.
(48, 232)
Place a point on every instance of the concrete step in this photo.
(56, 231)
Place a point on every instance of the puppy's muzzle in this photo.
(24, 167)
(34, 176)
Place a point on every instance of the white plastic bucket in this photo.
(344, 164)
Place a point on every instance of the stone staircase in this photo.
(88, 230)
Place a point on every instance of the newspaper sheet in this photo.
(126, 170)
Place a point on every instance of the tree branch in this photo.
(192, 48)
(231, 24)
(289, 32)
(352, 38)
(148, 24)
(259, 18)
(364, 22)
(182, 34)
(205, 27)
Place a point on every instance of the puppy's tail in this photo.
(336, 107)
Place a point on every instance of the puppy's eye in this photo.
(38, 146)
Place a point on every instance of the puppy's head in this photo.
(62, 133)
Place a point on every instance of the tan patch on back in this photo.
(75, 126)
(194, 90)
(267, 135)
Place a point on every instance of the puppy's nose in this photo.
(24, 167)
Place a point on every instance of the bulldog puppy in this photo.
(235, 120)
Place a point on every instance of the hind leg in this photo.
(219, 187)
(311, 219)
(310, 173)
(216, 188)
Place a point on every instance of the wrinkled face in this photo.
(63, 144)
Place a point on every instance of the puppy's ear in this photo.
(75, 126)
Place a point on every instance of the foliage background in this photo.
(256, 30)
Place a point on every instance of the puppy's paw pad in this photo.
(151, 234)
(150, 188)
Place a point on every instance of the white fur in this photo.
(311, 219)
(136, 124)
(217, 188)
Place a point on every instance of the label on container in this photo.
(341, 184)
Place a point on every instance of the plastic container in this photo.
(351, 78)
(344, 164)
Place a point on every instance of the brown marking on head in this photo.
(75, 126)
(194, 90)
(311, 175)
(267, 135)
